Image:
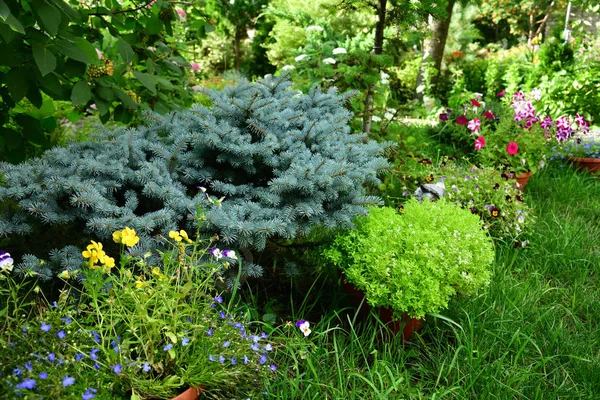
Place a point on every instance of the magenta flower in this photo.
(489, 114)
(501, 93)
(444, 117)
(512, 148)
(479, 143)
(195, 66)
(546, 123)
(475, 103)
(518, 96)
(462, 120)
(580, 120)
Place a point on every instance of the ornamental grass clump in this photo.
(414, 262)
(137, 330)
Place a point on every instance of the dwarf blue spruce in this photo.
(275, 163)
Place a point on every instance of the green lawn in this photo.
(532, 334)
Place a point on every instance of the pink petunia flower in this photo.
(462, 120)
(474, 124)
(479, 143)
(195, 66)
(512, 148)
(501, 93)
(475, 103)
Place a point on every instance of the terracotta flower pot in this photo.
(523, 178)
(406, 325)
(590, 164)
(192, 393)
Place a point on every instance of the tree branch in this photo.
(124, 11)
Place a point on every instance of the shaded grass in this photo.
(532, 334)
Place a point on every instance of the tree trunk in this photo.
(237, 39)
(377, 49)
(433, 49)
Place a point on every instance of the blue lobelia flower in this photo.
(117, 368)
(146, 367)
(68, 381)
(27, 384)
(43, 375)
(89, 394)
(61, 334)
(45, 327)
(185, 341)
(168, 347)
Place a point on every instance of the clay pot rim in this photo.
(585, 159)
(190, 393)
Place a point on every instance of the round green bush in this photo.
(416, 261)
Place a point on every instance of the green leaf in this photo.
(7, 33)
(67, 10)
(147, 80)
(125, 99)
(32, 130)
(87, 48)
(14, 24)
(34, 96)
(44, 59)
(17, 83)
(154, 26)
(208, 28)
(12, 138)
(51, 86)
(171, 336)
(49, 123)
(106, 93)
(70, 49)
(81, 93)
(4, 10)
(102, 106)
(121, 114)
(125, 50)
(47, 15)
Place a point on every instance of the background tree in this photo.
(115, 57)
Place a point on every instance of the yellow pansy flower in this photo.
(127, 236)
(108, 261)
(140, 284)
(175, 236)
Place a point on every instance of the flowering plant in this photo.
(511, 135)
(484, 191)
(579, 146)
(139, 331)
(414, 262)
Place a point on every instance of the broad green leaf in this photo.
(70, 49)
(6, 32)
(125, 99)
(49, 123)
(164, 82)
(32, 129)
(81, 93)
(87, 48)
(14, 24)
(125, 50)
(147, 80)
(106, 93)
(66, 9)
(102, 106)
(12, 138)
(51, 86)
(171, 336)
(34, 96)
(48, 16)
(154, 26)
(44, 59)
(208, 28)
(4, 10)
(17, 83)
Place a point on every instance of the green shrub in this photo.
(415, 262)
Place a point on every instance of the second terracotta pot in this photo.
(405, 325)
